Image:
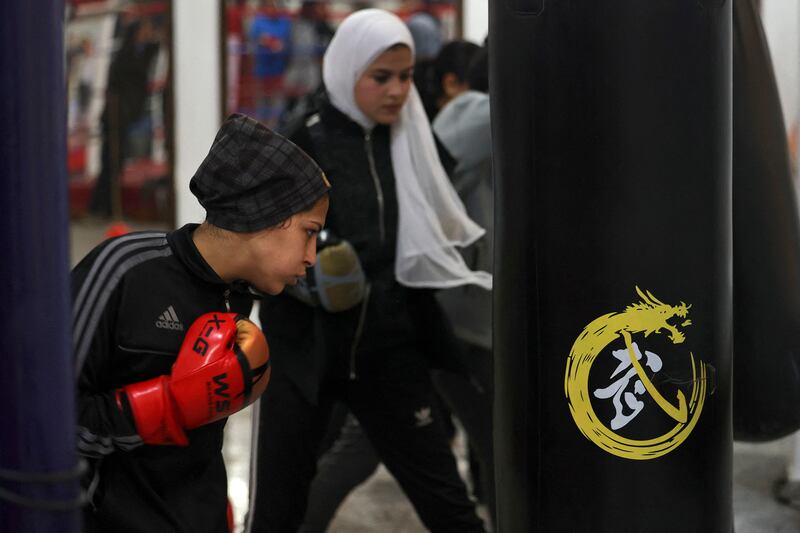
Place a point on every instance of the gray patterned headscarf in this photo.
(253, 178)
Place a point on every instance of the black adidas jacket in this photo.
(133, 299)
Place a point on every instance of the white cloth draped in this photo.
(432, 220)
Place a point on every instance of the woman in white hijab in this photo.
(432, 218)
(392, 200)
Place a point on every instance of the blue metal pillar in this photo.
(39, 489)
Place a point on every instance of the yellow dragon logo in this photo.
(648, 316)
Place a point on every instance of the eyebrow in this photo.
(381, 70)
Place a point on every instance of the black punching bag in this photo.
(611, 124)
(766, 245)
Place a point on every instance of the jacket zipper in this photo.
(378, 189)
(227, 294)
(359, 330)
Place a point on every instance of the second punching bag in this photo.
(766, 245)
(612, 304)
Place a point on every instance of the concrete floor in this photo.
(756, 468)
(379, 505)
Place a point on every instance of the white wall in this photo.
(196, 43)
(476, 20)
(781, 19)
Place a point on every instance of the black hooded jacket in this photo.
(134, 298)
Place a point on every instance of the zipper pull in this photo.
(227, 294)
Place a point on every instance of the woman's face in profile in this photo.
(382, 89)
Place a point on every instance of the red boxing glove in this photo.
(222, 367)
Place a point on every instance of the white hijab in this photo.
(432, 219)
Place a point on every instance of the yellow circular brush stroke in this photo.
(648, 316)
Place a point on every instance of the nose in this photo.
(398, 87)
(311, 252)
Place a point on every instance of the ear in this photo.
(452, 86)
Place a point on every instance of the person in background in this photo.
(463, 126)
(270, 35)
(393, 201)
(351, 459)
(127, 93)
(427, 37)
(311, 35)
